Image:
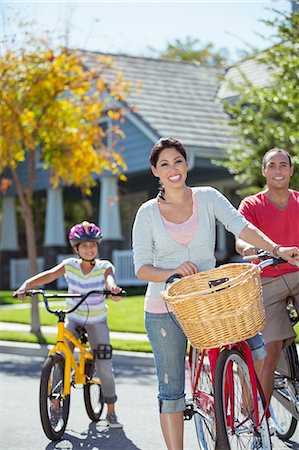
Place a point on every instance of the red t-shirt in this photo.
(280, 226)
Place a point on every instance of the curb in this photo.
(23, 349)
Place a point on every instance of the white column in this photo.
(54, 227)
(9, 235)
(109, 216)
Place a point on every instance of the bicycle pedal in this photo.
(189, 412)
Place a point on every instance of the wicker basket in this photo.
(214, 316)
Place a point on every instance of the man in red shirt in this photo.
(275, 211)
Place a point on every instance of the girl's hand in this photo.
(115, 290)
(21, 292)
(186, 268)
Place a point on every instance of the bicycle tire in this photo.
(93, 398)
(204, 417)
(235, 421)
(54, 409)
(285, 382)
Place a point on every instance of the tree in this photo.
(191, 50)
(268, 116)
(51, 103)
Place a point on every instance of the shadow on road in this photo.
(97, 437)
(33, 367)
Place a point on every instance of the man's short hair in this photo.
(276, 150)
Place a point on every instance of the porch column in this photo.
(9, 247)
(54, 237)
(109, 216)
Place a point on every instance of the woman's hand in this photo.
(249, 250)
(290, 254)
(186, 268)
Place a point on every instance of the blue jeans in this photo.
(257, 347)
(169, 346)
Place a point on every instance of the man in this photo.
(275, 211)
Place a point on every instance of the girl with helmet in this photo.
(84, 273)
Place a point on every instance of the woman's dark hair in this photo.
(157, 149)
(164, 143)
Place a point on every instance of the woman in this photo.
(175, 233)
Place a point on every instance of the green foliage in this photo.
(191, 50)
(264, 117)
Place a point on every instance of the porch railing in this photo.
(122, 260)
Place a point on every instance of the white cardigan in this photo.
(153, 245)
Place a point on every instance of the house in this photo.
(167, 98)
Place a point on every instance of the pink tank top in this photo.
(182, 233)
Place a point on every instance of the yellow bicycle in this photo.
(61, 370)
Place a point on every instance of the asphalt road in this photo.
(136, 408)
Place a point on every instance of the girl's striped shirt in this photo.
(94, 309)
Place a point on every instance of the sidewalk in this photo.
(53, 330)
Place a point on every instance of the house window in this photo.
(106, 125)
(39, 160)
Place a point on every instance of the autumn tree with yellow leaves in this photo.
(51, 103)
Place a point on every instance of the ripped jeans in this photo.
(169, 346)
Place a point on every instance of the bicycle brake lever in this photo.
(173, 278)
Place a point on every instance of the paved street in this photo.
(137, 409)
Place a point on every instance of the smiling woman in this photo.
(174, 233)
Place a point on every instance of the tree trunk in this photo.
(32, 255)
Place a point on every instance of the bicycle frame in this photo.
(204, 401)
(244, 349)
(62, 346)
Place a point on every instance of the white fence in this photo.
(122, 260)
(19, 271)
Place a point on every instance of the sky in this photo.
(137, 27)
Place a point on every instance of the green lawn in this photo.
(126, 315)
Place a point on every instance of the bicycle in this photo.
(61, 370)
(227, 401)
(284, 405)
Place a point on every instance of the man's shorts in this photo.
(275, 291)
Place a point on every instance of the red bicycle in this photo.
(218, 310)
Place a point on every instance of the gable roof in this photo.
(173, 98)
(253, 69)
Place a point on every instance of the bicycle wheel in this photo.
(285, 390)
(235, 419)
(93, 397)
(203, 401)
(54, 409)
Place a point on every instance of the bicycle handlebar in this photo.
(267, 259)
(41, 292)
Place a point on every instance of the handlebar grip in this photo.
(173, 278)
(263, 256)
(123, 293)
